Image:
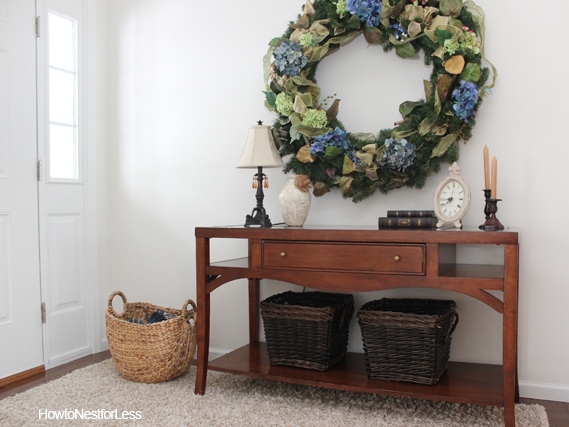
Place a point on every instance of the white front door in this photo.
(20, 303)
(61, 149)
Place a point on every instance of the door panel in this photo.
(61, 138)
(20, 303)
(67, 326)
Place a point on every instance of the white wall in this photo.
(184, 84)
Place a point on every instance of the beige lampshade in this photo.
(260, 149)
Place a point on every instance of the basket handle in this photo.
(454, 323)
(190, 316)
(345, 318)
(111, 297)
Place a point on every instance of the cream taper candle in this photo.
(494, 177)
(486, 168)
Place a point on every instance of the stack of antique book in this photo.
(408, 219)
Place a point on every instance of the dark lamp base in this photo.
(258, 218)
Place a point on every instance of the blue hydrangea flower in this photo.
(334, 138)
(317, 146)
(367, 11)
(399, 32)
(465, 98)
(289, 59)
(398, 154)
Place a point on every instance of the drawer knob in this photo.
(397, 258)
(283, 254)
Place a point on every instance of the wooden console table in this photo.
(345, 259)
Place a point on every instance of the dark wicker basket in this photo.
(407, 339)
(308, 329)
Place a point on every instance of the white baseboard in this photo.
(544, 391)
(214, 353)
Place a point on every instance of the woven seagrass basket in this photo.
(407, 339)
(153, 352)
(307, 329)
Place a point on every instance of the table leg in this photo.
(510, 334)
(203, 314)
(253, 310)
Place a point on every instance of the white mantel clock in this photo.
(452, 199)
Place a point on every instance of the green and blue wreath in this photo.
(450, 34)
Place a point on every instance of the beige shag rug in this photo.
(99, 393)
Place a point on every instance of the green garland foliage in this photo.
(449, 33)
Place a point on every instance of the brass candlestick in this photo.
(492, 223)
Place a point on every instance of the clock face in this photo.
(451, 199)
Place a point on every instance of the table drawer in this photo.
(355, 257)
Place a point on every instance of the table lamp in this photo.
(260, 151)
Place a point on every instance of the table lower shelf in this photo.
(473, 383)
